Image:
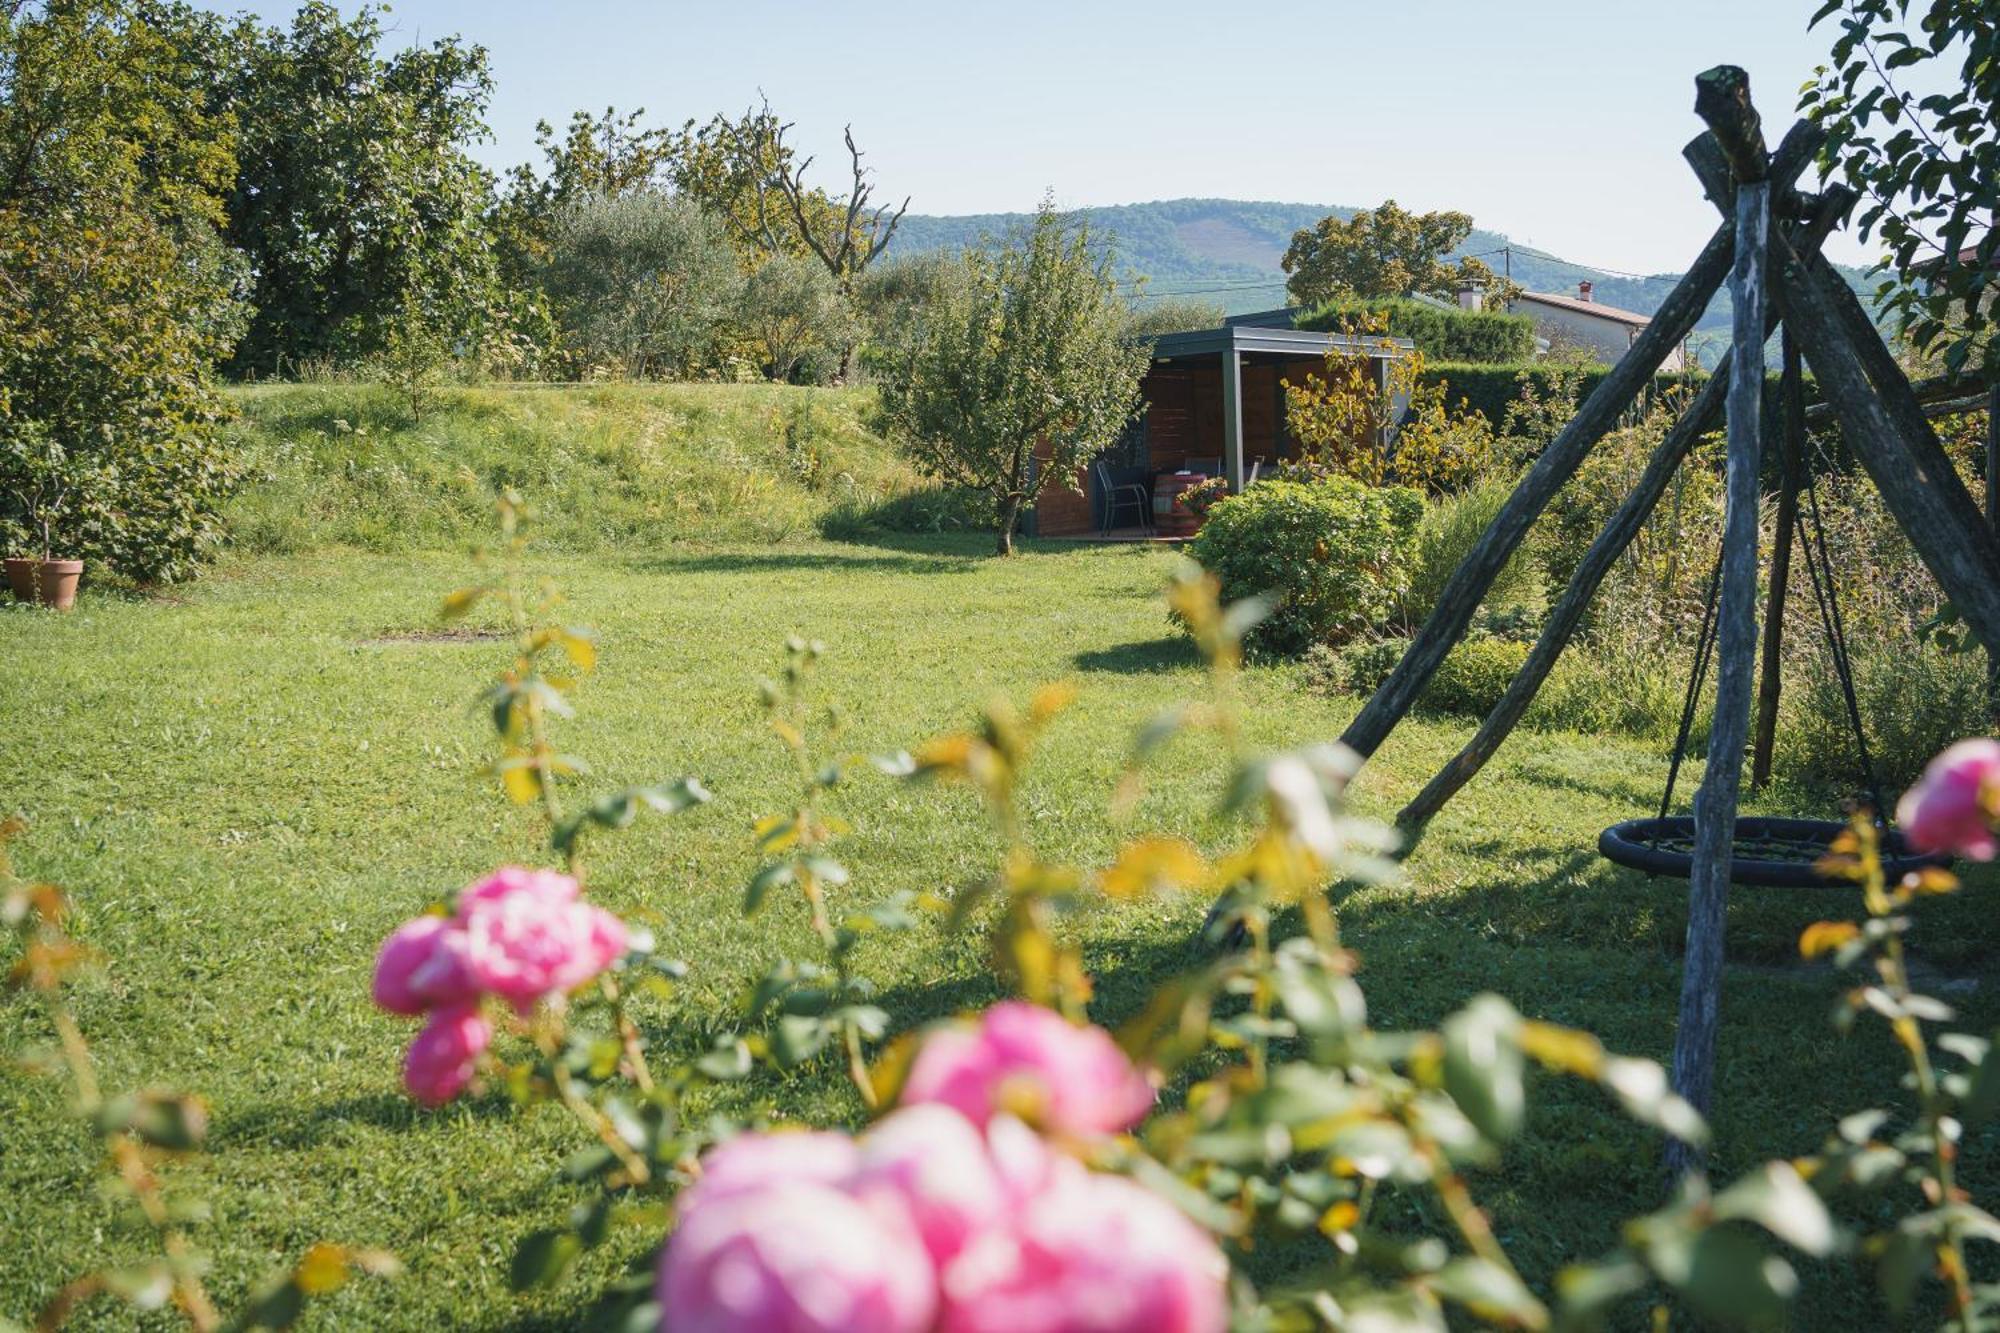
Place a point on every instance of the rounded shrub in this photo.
(1331, 554)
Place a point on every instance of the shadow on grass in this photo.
(1143, 657)
(765, 562)
(277, 1125)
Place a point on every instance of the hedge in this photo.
(1445, 333)
(1488, 389)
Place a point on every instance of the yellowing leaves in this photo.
(1154, 867)
(1824, 937)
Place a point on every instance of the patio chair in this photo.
(1256, 469)
(1211, 466)
(1121, 495)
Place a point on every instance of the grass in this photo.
(247, 785)
(612, 465)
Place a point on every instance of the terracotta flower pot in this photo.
(50, 583)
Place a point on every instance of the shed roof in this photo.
(1280, 342)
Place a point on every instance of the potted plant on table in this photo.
(47, 484)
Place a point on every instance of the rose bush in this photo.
(932, 1222)
(522, 936)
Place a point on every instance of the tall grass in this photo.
(608, 466)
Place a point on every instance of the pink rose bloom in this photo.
(423, 966)
(443, 1056)
(525, 945)
(1949, 808)
(510, 880)
(1089, 1254)
(934, 1164)
(795, 1256)
(1024, 1058)
(751, 1161)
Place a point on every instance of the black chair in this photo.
(1121, 495)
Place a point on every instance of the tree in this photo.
(792, 309)
(355, 186)
(640, 282)
(1173, 314)
(116, 297)
(1028, 349)
(1928, 167)
(1383, 253)
(603, 155)
(745, 172)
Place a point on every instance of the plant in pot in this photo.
(48, 485)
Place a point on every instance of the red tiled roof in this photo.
(1610, 312)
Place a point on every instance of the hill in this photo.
(607, 466)
(1228, 251)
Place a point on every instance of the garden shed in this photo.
(1216, 396)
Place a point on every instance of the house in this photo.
(1580, 321)
(1216, 396)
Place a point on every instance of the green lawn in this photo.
(246, 784)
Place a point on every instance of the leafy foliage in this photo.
(1173, 314)
(1329, 555)
(642, 284)
(794, 313)
(1384, 252)
(1928, 165)
(1442, 335)
(355, 187)
(1026, 350)
(1383, 426)
(117, 299)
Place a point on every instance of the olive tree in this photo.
(793, 309)
(641, 283)
(1028, 350)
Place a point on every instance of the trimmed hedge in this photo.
(1488, 389)
(1447, 334)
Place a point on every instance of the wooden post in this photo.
(1736, 643)
(1600, 412)
(1790, 438)
(1567, 614)
(1232, 416)
(1993, 525)
(1886, 427)
(1564, 617)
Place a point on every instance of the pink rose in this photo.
(751, 1161)
(1089, 1254)
(510, 880)
(527, 944)
(934, 1164)
(1950, 808)
(423, 966)
(1030, 1060)
(795, 1256)
(443, 1056)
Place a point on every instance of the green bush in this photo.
(1469, 681)
(1449, 528)
(1488, 388)
(923, 509)
(1333, 555)
(1448, 334)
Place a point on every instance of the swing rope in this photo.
(1811, 529)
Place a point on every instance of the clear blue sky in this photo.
(1558, 122)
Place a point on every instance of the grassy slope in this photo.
(609, 466)
(248, 784)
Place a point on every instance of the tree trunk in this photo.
(1010, 514)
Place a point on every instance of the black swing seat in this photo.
(1775, 853)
